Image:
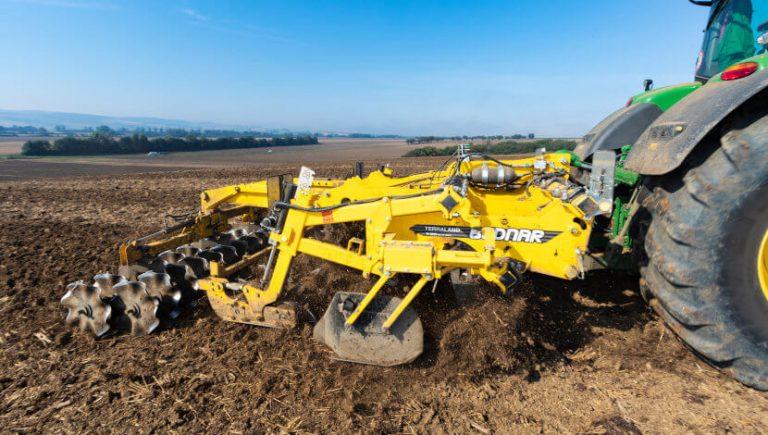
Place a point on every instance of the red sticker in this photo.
(328, 217)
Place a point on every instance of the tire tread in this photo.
(680, 275)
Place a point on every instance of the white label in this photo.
(306, 176)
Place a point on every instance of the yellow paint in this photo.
(367, 300)
(407, 257)
(406, 301)
(762, 265)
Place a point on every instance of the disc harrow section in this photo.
(140, 296)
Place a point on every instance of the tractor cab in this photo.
(736, 30)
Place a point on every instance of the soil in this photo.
(584, 356)
(328, 150)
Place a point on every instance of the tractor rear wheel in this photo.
(706, 272)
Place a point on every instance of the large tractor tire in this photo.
(706, 272)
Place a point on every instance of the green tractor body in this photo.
(691, 197)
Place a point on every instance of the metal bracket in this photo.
(601, 181)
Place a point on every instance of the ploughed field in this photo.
(585, 356)
(328, 150)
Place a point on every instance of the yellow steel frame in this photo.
(390, 207)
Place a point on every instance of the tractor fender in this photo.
(620, 128)
(670, 139)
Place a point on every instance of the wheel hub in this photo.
(762, 265)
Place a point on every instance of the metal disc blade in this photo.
(188, 250)
(159, 286)
(131, 272)
(212, 256)
(86, 309)
(263, 236)
(171, 257)
(106, 283)
(366, 342)
(140, 307)
(236, 233)
(239, 246)
(252, 243)
(228, 253)
(204, 244)
(198, 266)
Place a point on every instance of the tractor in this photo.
(673, 186)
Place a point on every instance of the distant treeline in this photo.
(22, 129)
(139, 143)
(366, 136)
(508, 147)
(431, 139)
(184, 133)
(150, 132)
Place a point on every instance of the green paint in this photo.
(576, 162)
(666, 97)
(761, 60)
(621, 204)
(619, 219)
(621, 176)
(624, 176)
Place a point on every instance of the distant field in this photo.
(336, 149)
(12, 145)
(328, 150)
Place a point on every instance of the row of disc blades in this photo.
(139, 296)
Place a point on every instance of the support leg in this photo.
(406, 301)
(367, 300)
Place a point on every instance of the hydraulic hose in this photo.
(284, 205)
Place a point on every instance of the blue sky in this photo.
(411, 67)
